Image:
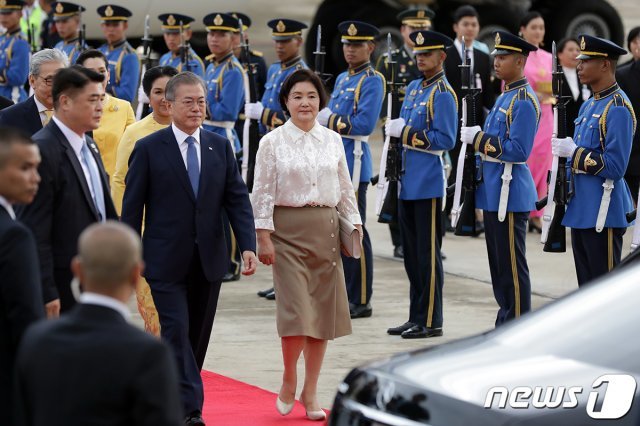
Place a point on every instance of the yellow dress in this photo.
(117, 114)
(131, 135)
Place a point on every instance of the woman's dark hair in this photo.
(465, 11)
(72, 80)
(635, 32)
(563, 43)
(530, 16)
(152, 74)
(92, 53)
(301, 76)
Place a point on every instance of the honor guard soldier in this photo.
(287, 35)
(255, 56)
(172, 23)
(14, 52)
(67, 21)
(225, 97)
(124, 65)
(506, 192)
(427, 127)
(353, 112)
(598, 155)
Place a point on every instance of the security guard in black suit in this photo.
(407, 71)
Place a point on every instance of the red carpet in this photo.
(228, 402)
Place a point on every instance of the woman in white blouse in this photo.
(301, 184)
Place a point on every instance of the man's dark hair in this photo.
(301, 76)
(71, 80)
(92, 53)
(152, 74)
(465, 11)
(10, 136)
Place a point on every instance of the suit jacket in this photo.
(23, 115)
(91, 367)
(572, 105)
(175, 218)
(20, 298)
(628, 77)
(63, 207)
(5, 102)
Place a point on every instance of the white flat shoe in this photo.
(282, 407)
(316, 415)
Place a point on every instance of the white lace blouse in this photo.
(295, 169)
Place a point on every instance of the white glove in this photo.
(394, 127)
(142, 97)
(563, 147)
(468, 134)
(253, 111)
(323, 116)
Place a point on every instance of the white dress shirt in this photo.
(76, 141)
(41, 110)
(571, 74)
(296, 168)
(181, 137)
(4, 203)
(106, 301)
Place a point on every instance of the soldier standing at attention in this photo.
(14, 52)
(506, 192)
(598, 155)
(353, 112)
(407, 71)
(124, 66)
(67, 21)
(171, 25)
(428, 127)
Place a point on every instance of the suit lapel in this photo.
(174, 157)
(75, 164)
(32, 111)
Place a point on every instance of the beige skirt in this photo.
(307, 274)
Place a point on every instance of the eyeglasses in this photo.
(48, 80)
(189, 103)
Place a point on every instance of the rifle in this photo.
(319, 56)
(184, 50)
(31, 30)
(82, 35)
(142, 110)
(391, 163)
(251, 132)
(554, 235)
(463, 217)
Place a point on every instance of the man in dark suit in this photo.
(32, 114)
(90, 366)
(5, 103)
(20, 294)
(628, 76)
(74, 192)
(180, 178)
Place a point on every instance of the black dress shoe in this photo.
(271, 296)
(194, 419)
(479, 228)
(442, 255)
(263, 293)
(534, 228)
(360, 311)
(398, 252)
(396, 331)
(420, 332)
(228, 277)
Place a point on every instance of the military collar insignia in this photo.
(352, 31)
(217, 21)
(359, 69)
(606, 92)
(108, 12)
(583, 44)
(429, 82)
(224, 58)
(497, 41)
(281, 27)
(59, 8)
(171, 20)
(516, 84)
(419, 39)
(290, 62)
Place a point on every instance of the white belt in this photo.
(604, 201)
(227, 126)
(506, 181)
(357, 159)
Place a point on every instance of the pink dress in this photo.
(538, 73)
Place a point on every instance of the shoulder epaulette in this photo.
(257, 53)
(210, 57)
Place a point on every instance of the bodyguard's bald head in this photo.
(109, 259)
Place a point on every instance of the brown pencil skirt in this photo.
(307, 274)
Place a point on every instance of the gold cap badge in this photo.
(352, 30)
(498, 38)
(3, 2)
(583, 44)
(218, 20)
(421, 14)
(108, 11)
(59, 8)
(419, 39)
(281, 27)
(171, 20)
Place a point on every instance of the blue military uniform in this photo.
(14, 65)
(505, 144)
(72, 47)
(430, 112)
(603, 134)
(355, 105)
(124, 65)
(171, 23)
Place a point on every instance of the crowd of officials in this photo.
(98, 203)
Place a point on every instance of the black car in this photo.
(574, 362)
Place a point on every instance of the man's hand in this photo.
(468, 134)
(394, 127)
(250, 262)
(254, 110)
(323, 116)
(563, 147)
(52, 309)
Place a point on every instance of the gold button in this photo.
(342, 91)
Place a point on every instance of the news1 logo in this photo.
(610, 398)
